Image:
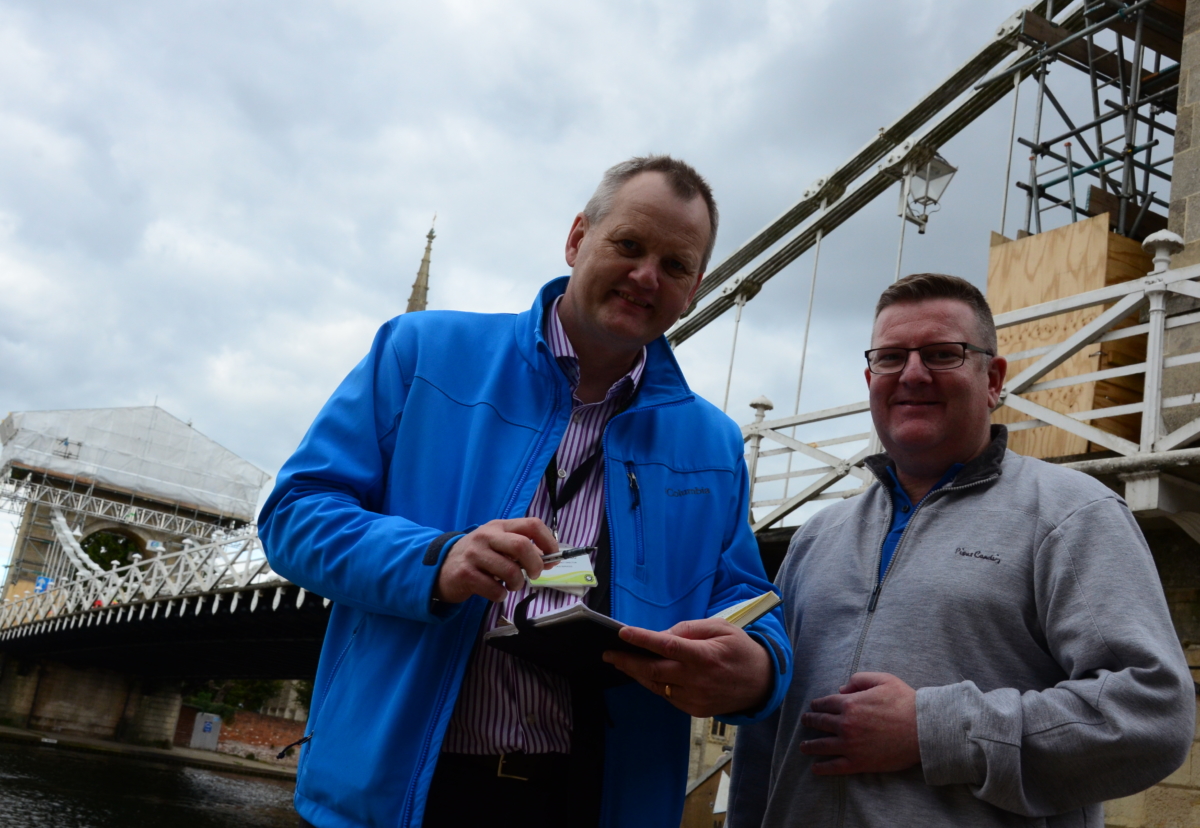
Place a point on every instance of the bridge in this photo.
(187, 592)
(1156, 471)
(1098, 309)
(211, 611)
(219, 579)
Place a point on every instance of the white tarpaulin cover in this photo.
(143, 450)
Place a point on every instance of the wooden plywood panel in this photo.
(1048, 266)
(1101, 202)
(1049, 442)
(1072, 259)
(1040, 268)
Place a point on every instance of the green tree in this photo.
(226, 697)
(106, 547)
(304, 690)
(251, 694)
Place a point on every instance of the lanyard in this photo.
(571, 486)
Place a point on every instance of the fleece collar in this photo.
(984, 467)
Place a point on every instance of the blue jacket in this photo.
(447, 424)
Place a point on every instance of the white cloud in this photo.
(217, 203)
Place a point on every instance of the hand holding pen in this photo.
(566, 552)
(492, 560)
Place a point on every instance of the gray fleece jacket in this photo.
(1024, 606)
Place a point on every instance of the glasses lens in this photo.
(942, 356)
(887, 360)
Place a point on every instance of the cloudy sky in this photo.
(215, 204)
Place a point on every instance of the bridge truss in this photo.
(16, 493)
(1149, 489)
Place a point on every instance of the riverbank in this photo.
(206, 759)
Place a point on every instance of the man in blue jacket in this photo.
(462, 449)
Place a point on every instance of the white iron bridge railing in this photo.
(848, 438)
(229, 566)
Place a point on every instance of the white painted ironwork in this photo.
(842, 475)
(929, 124)
(14, 494)
(168, 582)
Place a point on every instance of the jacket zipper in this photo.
(444, 690)
(874, 601)
(298, 743)
(899, 543)
(537, 449)
(406, 811)
(337, 666)
(635, 492)
(612, 547)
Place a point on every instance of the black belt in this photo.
(524, 767)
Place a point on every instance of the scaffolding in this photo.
(1129, 52)
(1121, 138)
(1099, 142)
(139, 472)
(142, 450)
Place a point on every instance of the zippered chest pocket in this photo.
(669, 528)
(635, 508)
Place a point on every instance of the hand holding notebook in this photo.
(572, 641)
(707, 667)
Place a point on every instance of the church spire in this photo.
(420, 288)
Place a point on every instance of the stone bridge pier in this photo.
(88, 701)
(116, 672)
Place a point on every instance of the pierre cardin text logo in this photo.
(685, 492)
(975, 553)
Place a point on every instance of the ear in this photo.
(867, 374)
(997, 371)
(579, 229)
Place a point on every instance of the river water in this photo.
(47, 787)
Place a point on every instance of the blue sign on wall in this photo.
(42, 584)
(208, 727)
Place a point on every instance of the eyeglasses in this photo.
(939, 356)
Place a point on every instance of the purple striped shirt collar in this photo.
(568, 360)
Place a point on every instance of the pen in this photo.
(569, 552)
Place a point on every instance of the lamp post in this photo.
(922, 186)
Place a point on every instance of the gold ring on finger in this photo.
(667, 690)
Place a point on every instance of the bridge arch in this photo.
(110, 541)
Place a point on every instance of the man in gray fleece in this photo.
(981, 638)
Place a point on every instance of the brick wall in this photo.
(184, 725)
(266, 732)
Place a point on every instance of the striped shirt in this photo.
(506, 704)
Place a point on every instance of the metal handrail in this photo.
(232, 563)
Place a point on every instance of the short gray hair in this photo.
(683, 179)
(920, 287)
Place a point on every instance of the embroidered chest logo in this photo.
(975, 553)
(698, 490)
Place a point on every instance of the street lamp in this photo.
(924, 176)
(930, 182)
